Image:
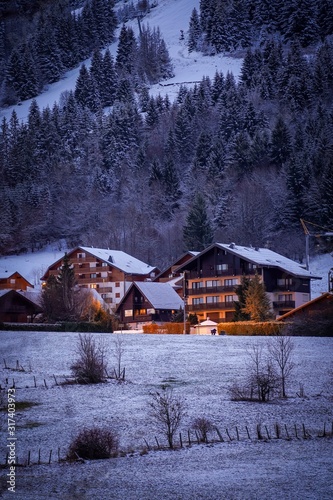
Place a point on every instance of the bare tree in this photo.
(118, 353)
(166, 411)
(90, 366)
(202, 426)
(281, 348)
(261, 373)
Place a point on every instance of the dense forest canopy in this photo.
(112, 166)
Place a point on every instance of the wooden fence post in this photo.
(219, 435)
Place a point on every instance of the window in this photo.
(212, 300)
(212, 283)
(231, 282)
(285, 281)
(104, 264)
(81, 255)
(12, 281)
(285, 297)
(117, 295)
(197, 284)
(197, 301)
(222, 267)
(93, 275)
(229, 298)
(117, 284)
(93, 285)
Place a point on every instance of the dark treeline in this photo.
(111, 166)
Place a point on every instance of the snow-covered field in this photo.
(201, 369)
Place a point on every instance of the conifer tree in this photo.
(197, 232)
(194, 31)
(257, 303)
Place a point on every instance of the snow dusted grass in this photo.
(200, 369)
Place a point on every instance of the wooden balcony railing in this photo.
(212, 306)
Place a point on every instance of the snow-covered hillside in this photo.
(170, 16)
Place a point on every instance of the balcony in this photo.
(284, 304)
(213, 306)
(208, 290)
(210, 273)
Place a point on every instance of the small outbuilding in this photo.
(206, 327)
(16, 307)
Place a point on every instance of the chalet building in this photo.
(172, 272)
(109, 272)
(172, 276)
(213, 275)
(18, 307)
(145, 302)
(12, 280)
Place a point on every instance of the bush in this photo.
(94, 443)
(265, 328)
(90, 367)
(202, 426)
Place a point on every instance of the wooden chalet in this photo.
(18, 307)
(109, 272)
(146, 302)
(213, 275)
(12, 280)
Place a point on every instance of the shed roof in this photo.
(160, 295)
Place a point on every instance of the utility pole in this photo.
(184, 301)
(323, 232)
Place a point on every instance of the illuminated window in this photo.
(231, 282)
(212, 300)
(212, 283)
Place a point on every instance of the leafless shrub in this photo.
(202, 426)
(281, 348)
(94, 443)
(166, 412)
(90, 367)
(119, 371)
(261, 379)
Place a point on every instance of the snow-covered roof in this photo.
(160, 295)
(268, 258)
(9, 274)
(121, 260)
(207, 322)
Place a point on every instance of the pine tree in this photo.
(241, 291)
(257, 303)
(66, 283)
(197, 232)
(126, 52)
(194, 31)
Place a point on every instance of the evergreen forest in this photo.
(110, 165)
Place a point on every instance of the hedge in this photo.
(169, 328)
(252, 328)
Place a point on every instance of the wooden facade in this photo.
(109, 272)
(213, 276)
(149, 302)
(17, 308)
(13, 281)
